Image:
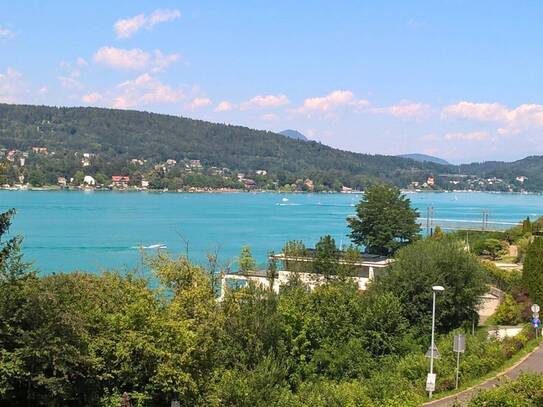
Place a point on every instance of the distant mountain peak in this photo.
(425, 158)
(295, 134)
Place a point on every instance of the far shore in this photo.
(194, 190)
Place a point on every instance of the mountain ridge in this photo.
(117, 137)
(425, 158)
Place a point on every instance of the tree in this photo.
(326, 256)
(532, 274)
(272, 269)
(12, 266)
(526, 225)
(438, 233)
(78, 177)
(492, 247)
(425, 263)
(246, 261)
(36, 177)
(384, 221)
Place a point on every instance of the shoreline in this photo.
(254, 191)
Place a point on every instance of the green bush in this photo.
(505, 280)
(526, 391)
(508, 312)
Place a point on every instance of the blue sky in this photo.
(457, 79)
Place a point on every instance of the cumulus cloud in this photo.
(5, 33)
(12, 86)
(265, 102)
(145, 90)
(468, 136)
(404, 110)
(70, 83)
(335, 99)
(127, 27)
(134, 59)
(199, 102)
(92, 98)
(511, 121)
(224, 106)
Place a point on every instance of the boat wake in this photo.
(152, 246)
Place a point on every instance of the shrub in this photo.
(526, 391)
(508, 312)
(505, 280)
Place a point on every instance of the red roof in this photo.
(120, 178)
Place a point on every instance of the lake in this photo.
(92, 231)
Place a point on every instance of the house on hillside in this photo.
(120, 181)
(40, 150)
(195, 164)
(249, 183)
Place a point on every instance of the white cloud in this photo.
(334, 100)
(404, 110)
(512, 121)
(199, 102)
(161, 61)
(162, 16)
(145, 90)
(469, 136)
(92, 98)
(122, 58)
(12, 86)
(224, 106)
(126, 28)
(269, 117)
(265, 101)
(5, 33)
(477, 111)
(134, 59)
(70, 83)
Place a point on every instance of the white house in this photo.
(88, 180)
(368, 267)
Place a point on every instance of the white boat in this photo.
(284, 199)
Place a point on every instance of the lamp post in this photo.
(431, 380)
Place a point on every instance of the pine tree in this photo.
(246, 261)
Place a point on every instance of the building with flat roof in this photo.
(360, 271)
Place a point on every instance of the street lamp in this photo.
(431, 380)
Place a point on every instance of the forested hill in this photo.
(123, 142)
(123, 135)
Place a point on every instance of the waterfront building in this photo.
(120, 181)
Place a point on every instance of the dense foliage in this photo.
(444, 262)
(384, 221)
(525, 391)
(532, 275)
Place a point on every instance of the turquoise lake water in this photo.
(93, 231)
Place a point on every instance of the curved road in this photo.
(532, 363)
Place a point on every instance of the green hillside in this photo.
(116, 136)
